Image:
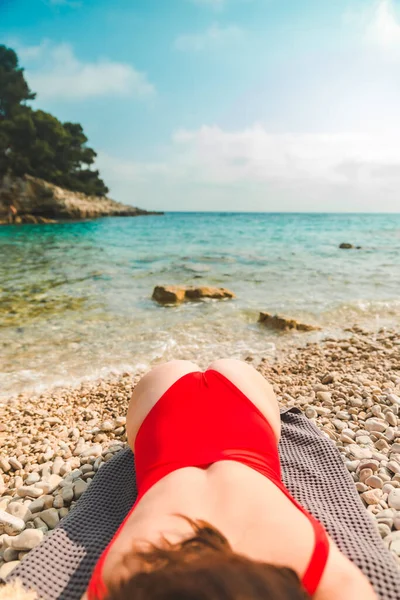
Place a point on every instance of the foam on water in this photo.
(75, 298)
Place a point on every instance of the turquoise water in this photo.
(75, 298)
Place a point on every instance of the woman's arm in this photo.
(342, 580)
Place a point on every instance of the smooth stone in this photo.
(352, 465)
(58, 501)
(394, 499)
(67, 494)
(375, 425)
(372, 496)
(384, 530)
(324, 396)
(364, 474)
(80, 487)
(394, 399)
(50, 517)
(364, 439)
(48, 501)
(10, 554)
(10, 524)
(32, 478)
(368, 464)
(57, 464)
(391, 418)
(17, 509)
(63, 512)
(36, 506)
(40, 525)
(374, 481)
(6, 569)
(393, 466)
(4, 464)
(27, 540)
(49, 486)
(396, 522)
(395, 547)
(361, 487)
(4, 502)
(95, 451)
(31, 491)
(15, 464)
(311, 413)
(359, 453)
(65, 468)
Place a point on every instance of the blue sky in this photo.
(224, 104)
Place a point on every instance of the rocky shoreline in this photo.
(37, 201)
(52, 444)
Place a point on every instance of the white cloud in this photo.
(53, 71)
(379, 26)
(213, 37)
(254, 169)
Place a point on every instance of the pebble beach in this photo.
(52, 444)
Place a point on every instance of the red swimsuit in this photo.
(201, 419)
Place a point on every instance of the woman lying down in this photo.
(213, 520)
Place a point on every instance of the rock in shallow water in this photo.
(173, 294)
(282, 323)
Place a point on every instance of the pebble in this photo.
(310, 412)
(50, 517)
(357, 452)
(394, 466)
(29, 490)
(15, 464)
(4, 464)
(67, 494)
(17, 509)
(37, 505)
(59, 502)
(374, 481)
(50, 485)
(6, 569)
(27, 540)
(384, 529)
(32, 479)
(107, 426)
(376, 425)
(80, 487)
(10, 554)
(394, 499)
(10, 524)
(372, 496)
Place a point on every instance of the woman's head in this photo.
(203, 567)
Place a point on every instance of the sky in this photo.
(225, 105)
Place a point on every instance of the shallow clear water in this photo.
(75, 298)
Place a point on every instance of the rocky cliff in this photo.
(36, 201)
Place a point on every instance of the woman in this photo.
(213, 519)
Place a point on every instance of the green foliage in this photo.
(33, 142)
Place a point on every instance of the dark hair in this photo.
(203, 567)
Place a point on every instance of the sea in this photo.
(75, 297)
